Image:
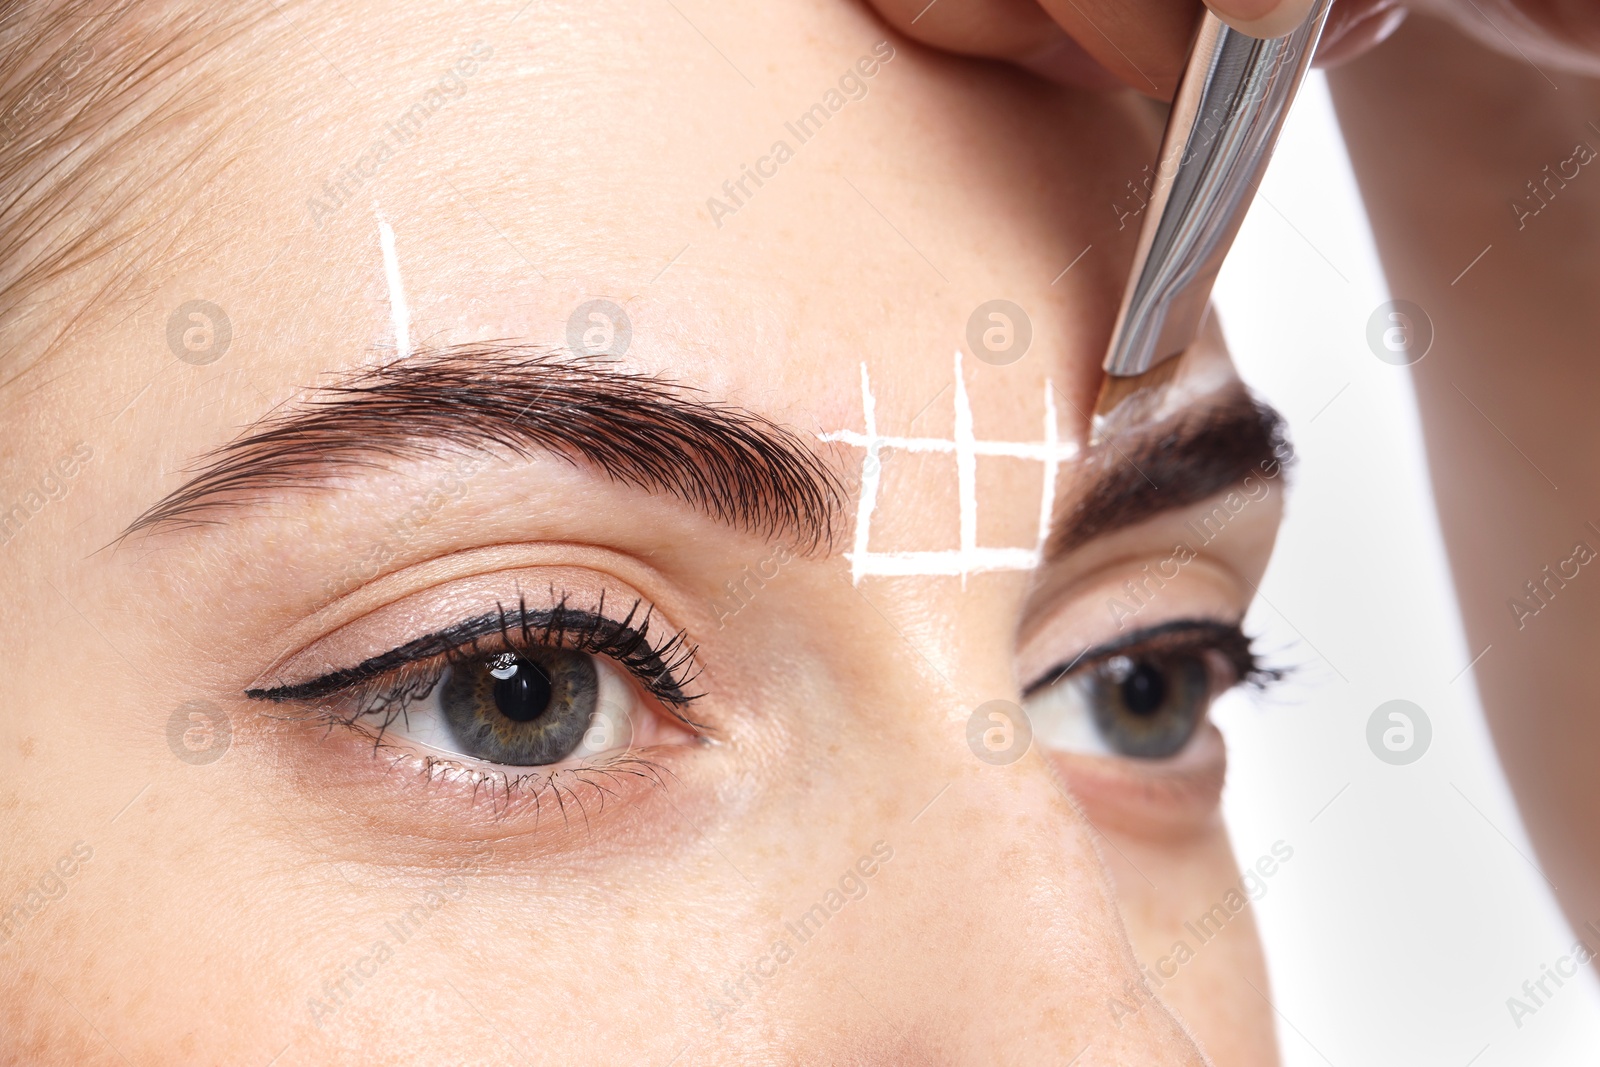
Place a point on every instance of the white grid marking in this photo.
(870, 467)
(966, 467)
(399, 312)
(971, 557)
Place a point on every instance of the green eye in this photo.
(551, 687)
(525, 708)
(1148, 707)
(1145, 696)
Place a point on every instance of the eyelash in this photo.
(1183, 635)
(384, 686)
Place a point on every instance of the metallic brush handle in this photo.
(1224, 123)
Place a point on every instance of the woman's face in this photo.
(630, 669)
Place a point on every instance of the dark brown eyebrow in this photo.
(1180, 461)
(734, 465)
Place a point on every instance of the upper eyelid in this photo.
(1198, 630)
(623, 639)
(421, 648)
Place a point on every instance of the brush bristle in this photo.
(1123, 398)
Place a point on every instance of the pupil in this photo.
(525, 694)
(1145, 690)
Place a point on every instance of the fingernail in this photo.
(1262, 18)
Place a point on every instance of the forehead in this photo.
(770, 197)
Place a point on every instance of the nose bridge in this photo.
(1026, 886)
(987, 931)
(992, 933)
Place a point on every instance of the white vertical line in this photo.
(399, 313)
(1052, 463)
(966, 470)
(870, 469)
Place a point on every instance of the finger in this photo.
(995, 29)
(1106, 43)
(1095, 43)
(1354, 26)
(1018, 31)
(1261, 18)
(1144, 45)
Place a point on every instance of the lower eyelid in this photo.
(1169, 799)
(396, 787)
(453, 786)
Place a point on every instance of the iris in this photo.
(525, 708)
(1149, 706)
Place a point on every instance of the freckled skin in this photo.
(308, 896)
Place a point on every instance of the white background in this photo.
(1411, 909)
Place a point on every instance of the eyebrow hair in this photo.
(651, 433)
(1177, 462)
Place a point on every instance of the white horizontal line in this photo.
(1036, 450)
(950, 562)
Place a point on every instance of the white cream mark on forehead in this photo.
(399, 313)
(970, 557)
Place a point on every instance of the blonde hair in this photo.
(91, 93)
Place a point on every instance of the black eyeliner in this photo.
(658, 667)
(1180, 635)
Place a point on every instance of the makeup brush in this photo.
(1231, 102)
